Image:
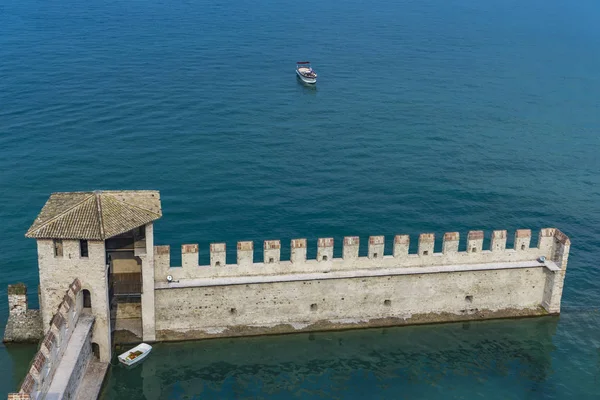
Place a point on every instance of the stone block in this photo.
(426, 244)
(58, 321)
(272, 251)
(561, 237)
(298, 251)
(401, 245)
(350, 249)
(218, 254)
(325, 249)
(162, 250)
(245, 253)
(546, 240)
(48, 343)
(39, 361)
(29, 384)
(475, 242)
(76, 286)
(189, 255)
(522, 239)
(162, 259)
(498, 241)
(376, 247)
(451, 242)
(19, 396)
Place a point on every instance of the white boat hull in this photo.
(126, 359)
(305, 79)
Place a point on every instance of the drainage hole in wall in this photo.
(387, 303)
(469, 299)
(324, 258)
(522, 247)
(218, 264)
(473, 250)
(232, 311)
(271, 260)
(425, 252)
(374, 255)
(314, 307)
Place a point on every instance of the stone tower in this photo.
(105, 239)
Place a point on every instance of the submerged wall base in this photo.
(336, 325)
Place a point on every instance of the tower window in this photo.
(83, 248)
(87, 299)
(58, 248)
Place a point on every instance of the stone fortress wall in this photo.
(277, 296)
(50, 375)
(78, 233)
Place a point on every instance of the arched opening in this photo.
(87, 299)
(96, 350)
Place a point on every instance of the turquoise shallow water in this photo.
(429, 116)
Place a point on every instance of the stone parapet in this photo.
(46, 360)
(19, 396)
(552, 244)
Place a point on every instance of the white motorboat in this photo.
(305, 72)
(135, 355)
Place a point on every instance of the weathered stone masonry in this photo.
(24, 325)
(277, 296)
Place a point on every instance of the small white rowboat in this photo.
(135, 355)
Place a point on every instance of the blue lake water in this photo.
(429, 116)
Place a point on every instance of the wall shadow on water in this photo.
(409, 362)
(20, 356)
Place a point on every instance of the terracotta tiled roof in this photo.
(95, 215)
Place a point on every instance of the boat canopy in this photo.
(303, 62)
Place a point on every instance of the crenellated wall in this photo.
(277, 295)
(39, 380)
(325, 262)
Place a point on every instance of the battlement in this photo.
(551, 245)
(39, 380)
